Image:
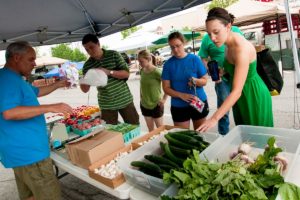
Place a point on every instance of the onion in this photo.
(282, 161)
(233, 155)
(244, 148)
(247, 159)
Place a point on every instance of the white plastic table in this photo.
(121, 192)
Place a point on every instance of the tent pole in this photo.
(293, 41)
(280, 47)
(193, 32)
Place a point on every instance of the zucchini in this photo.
(172, 156)
(161, 160)
(148, 168)
(166, 168)
(186, 132)
(185, 138)
(178, 143)
(180, 152)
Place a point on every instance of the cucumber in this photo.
(166, 168)
(178, 143)
(151, 173)
(185, 138)
(147, 167)
(161, 160)
(180, 152)
(186, 132)
(171, 156)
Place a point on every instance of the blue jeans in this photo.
(222, 91)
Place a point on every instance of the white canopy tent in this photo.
(137, 40)
(248, 12)
(47, 60)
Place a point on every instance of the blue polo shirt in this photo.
(179, 71)
(22, 142)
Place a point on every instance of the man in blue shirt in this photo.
(24, 144)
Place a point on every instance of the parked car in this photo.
(165, 52)
(189, 46)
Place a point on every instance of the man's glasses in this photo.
(175, 46)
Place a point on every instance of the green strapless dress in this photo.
(254, 107)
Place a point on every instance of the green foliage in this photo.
(78, 55)
(221, 3)
(104, 47)
(65, 52)
(186, 28)
(129, 31)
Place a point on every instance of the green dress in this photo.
(254, 107)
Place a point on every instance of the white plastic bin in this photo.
(287, 139)
(143, 181)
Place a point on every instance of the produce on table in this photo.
(236, 179)
(79, 114)
(179, 147)
(111, 169)
(88, 125)
(153, 137)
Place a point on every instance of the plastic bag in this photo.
(94, 77)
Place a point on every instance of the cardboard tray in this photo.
(118, 180)
(135, 143)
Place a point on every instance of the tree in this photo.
(186, 28)
(221, 3)
(65, 52)
(62, 51)
(127, 32)
(78, 55)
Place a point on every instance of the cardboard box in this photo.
(135, 143)
(87, 150)
(118, 180)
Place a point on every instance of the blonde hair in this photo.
(147, 55)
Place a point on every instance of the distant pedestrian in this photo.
(74, 76)
(61, 72)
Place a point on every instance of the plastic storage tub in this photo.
(287, 139)
(143, 181)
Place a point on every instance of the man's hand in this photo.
(62, 83)
(61, 108)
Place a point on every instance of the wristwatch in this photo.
(111, 72)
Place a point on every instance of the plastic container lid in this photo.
(94, 77)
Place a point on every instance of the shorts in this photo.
(156, 112)
(129, 115)
(37, 180)
(182, 114)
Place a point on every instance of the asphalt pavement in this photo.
(286, 111)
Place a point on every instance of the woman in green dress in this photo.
(249, 96)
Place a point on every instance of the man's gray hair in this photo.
(16, 48)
